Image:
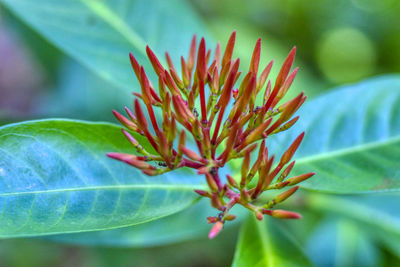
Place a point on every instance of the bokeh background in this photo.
(338, 42)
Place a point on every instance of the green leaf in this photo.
(188, 224)
(378, 215)
(340, 242)
(352, 138)
(56, 178)
(100, 33)
(266, 243)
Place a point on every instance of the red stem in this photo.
(203, 103)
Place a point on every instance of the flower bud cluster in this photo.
(224, 122)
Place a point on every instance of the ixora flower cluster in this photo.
(219, 134)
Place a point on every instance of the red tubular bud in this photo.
(197, 130)
(150, 172)
(264, 75)
(224, 72)
(167, 104)
(211, 182)
(267, 94)
(287, 125)
(287, 65)
(169, 61)
(192, 54)
(130, 114)
(203, 194)
(208, 55)
(130, 138)
(215, 230)
(244, 98)
(158, 68)
(291, 108)
(230, 142)
(131, 160)
(257, 133)
(190, 153)
(300, 178)
(231, 181)
(135, 66)
(287, 156)
(212, 219)
(255, 59)
(161, 87)
(245, 169)
(124, 121)
(176, 78)
(172, 131)
(141, 119)
(201, 67)
(282, 214)
(170, 83)
(286, 172)
(182, 138)
(229, 49)
(203, 170)
(181, 108)
(185, 73)
(145, 85)
(259, 215)
(229, 217)
(285, 195)
(217, 54)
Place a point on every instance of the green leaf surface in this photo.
(340, 243)
(56, 178)
(352, 138)
(378, 215)
(266, 243)
(186, 225)
(100, 33)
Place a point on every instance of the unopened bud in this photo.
(297, 179)
(285, 195)
(215, 230)
(282, 214)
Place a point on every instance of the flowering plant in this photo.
(230, 124)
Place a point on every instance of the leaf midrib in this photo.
(111, 187)
(346, 151)
(115, 22)
(266, 243)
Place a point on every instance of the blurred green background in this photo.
(338, 42)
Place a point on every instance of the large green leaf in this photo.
(182, 226)
(100, 33)
(55, 178)
(266, 243)
(352, 138)
(340, 242)
(378, 215)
